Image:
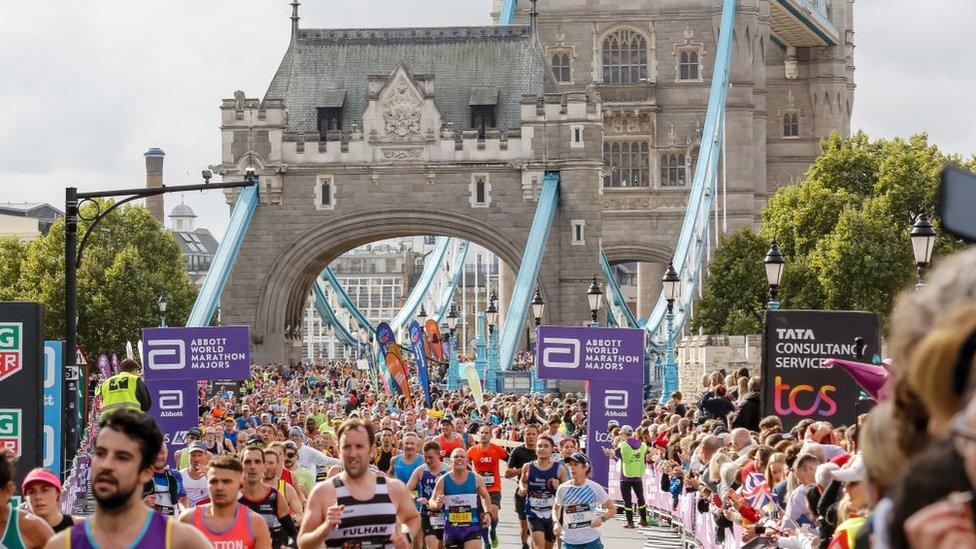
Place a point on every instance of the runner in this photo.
(273, 470)
(165, 492)
(448, 439)
(358, 507)
(485, 458)
(225, 522)
(422, 481)
(41, 488)
(457, 495)
(265, 500)
(538, 484)
(516, 461)
(404, 464)
(576, 504)
(18, 529)
(302, 478)
(126, 446)
(194, 477)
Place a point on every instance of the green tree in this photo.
(128, 262)
(12, 255)
(843, 229)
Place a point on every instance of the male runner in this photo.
(195, 475)
(576, 505)
(274, 467)
(126, 446)
(359, 507)
(264, 499)
(302, 478)
(538, 484)
(485, 458)
(225, 522)
(457, 495)
(519, 457)
(18, 528)
(448, 439)
(422, 481)
(404, 464)
(165, 491)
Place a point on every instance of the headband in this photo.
(960, 372)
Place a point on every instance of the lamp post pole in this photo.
(923, 241)
(491, 316)
(452, 371)
(774, 263)
(672, 283)
(595, 297)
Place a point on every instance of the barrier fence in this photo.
(683, 513)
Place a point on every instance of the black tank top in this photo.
(267, 507)
(365, 524)
(66, 522)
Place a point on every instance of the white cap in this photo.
(853, 472)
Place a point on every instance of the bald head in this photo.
(741, 438)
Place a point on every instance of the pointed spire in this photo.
(294, 20)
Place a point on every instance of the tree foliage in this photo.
(843, 229)
(128, 262)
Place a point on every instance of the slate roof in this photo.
(197, 242)
(324, 62)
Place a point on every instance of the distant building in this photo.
(27, 220)
(197, 245)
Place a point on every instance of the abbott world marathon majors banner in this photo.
(612, 361)
(176, 359)
(797, 383)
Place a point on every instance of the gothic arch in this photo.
(646, 252)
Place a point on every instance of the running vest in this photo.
(541, 494)
(461, 508)
(631, 460)
(364, 524)
(267, 507)
(119, 391)
(196, 490)
(425, 489)
(237, 536)
(404, 470)
(12, 538)
(155, 533)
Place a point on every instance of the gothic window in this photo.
(626, 163)
(480, 190)
(330, 119)
(624, 57)
(562, 69)
(791, 124)
(325, 193)
(482, 118)
(689, 63)
(674, 170)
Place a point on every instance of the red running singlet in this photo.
(237, 536)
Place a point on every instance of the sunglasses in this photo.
(290, 454)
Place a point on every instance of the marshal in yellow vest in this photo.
(119, 391)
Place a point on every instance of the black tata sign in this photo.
(22, 384)
(796, 383)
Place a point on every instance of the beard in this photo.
(355, 468)
(116, 499)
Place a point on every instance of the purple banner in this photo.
(104, 366)
(215, 352)
(115, 363)
(580, 352)
(609, 400)
(176, 410)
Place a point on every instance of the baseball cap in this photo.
(626, 429)
(295, 432)
(290, 444)
(579, 457)
(854, 472)
(197, 447)
(613, 423)
(40, 475)
(196, 432)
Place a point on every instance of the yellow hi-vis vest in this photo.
(119, 391)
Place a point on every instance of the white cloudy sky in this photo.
(86, 86)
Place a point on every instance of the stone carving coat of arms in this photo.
(402, 110)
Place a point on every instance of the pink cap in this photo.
(40, 475)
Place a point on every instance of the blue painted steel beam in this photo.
(508, 12)
(330, 277)
(223, 262)
(431, 265)
(445, 301)
(525, 282)
(618, 296)
(688, 254)
(328, 316)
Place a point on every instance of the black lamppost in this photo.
(595, 296)
(162, 303)
(774, 263)
(452, 318)
(672, 285)
(422, 315)
(538, 306)
(491, 313)
(923, 241)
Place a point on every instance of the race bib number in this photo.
(578, 516)
(363, 545)
(459, 515)
(437, 521)
(541, 502)
(489, 478)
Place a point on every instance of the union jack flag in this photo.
(756, 491)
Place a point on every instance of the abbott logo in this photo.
(560, 352)
(166, 354)
(171, 399)
(616, 399)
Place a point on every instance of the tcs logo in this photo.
(822, 404)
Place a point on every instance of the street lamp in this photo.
(162, 308)
(923, 240)
(774, 263)
(595, 296)
(538, 306)
(672, 285)
(422, 315)
(491, 314)
(452, 318)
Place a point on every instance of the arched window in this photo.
(562, 70)
(326, 193)
(689, 67)
(624, 57)
(791, 124)
(674, 172)
(479, 190)
(626, 163)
